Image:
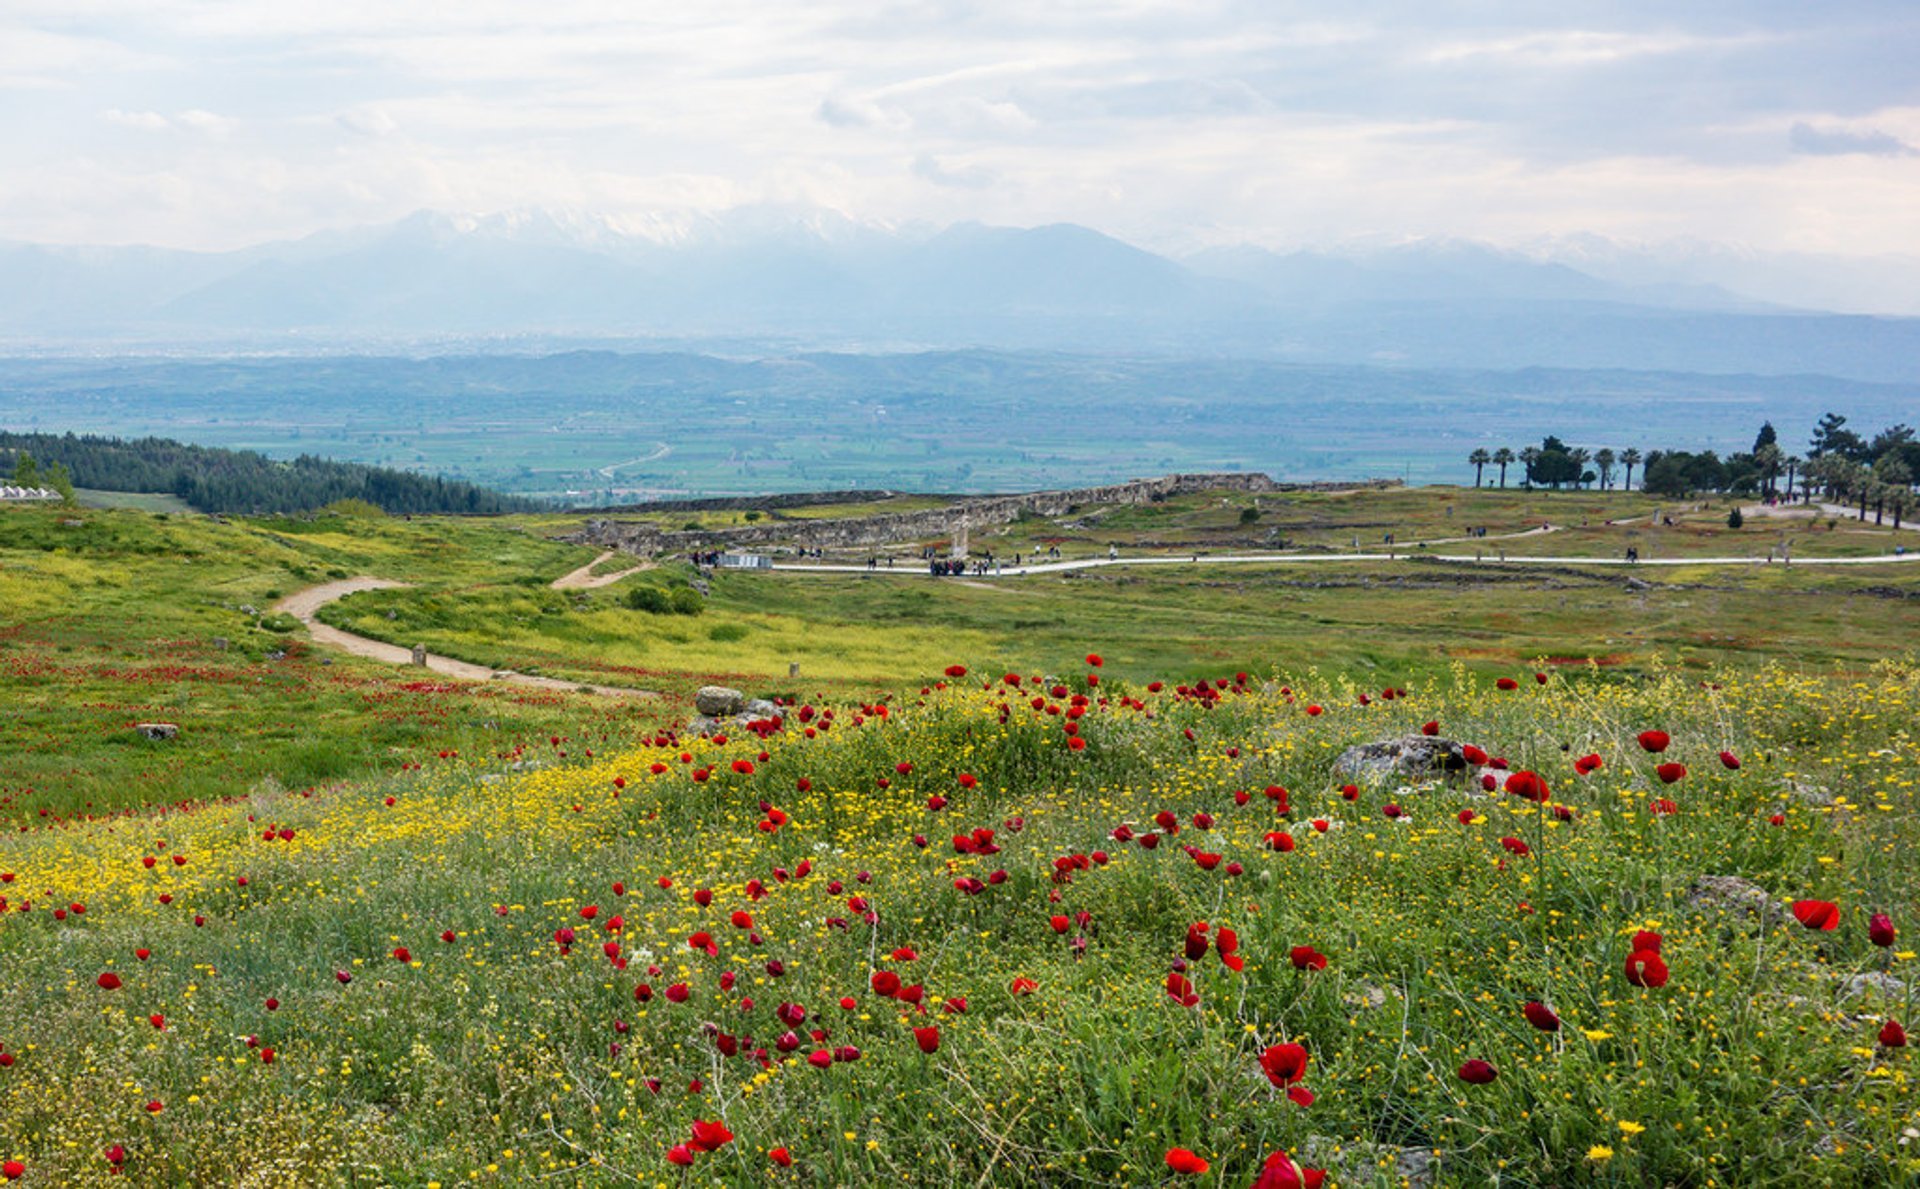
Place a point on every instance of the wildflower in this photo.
(1654, 741)
(1541, 1016)
(1880, 930)
(1182, 1161)
(1476, 1072)
(1892, 1035)
(1823, 915)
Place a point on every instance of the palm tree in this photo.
(1892, 475)
(1629, 458)
(1529, 456)
(1580, 458)
(1478, 460)
(1503, 458)
(1769, 459)
(1603, 458)
(1792, 462)
(1900, 498)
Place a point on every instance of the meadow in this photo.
(1036, 881)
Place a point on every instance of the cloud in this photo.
(144, 121)
(368, 121)
(1838, 142)
(967, 177)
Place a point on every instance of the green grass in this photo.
(499, 1057)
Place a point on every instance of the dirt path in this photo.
(303, 605)
(1822, 511)
(585, 579)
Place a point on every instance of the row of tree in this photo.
(1840, 464)
(242, 481)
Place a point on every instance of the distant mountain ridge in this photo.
(813, 278)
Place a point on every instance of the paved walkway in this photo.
(304, 605)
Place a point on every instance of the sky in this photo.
(1771, 126)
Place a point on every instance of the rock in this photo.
(1872, 981)
(1639, 584)
(717, 701)
(1409, 756)
(1365, 996)
(419, 657)
(158, 731)
(1812, 794)
(220, 643)
(761, 708)
(1361, 1162)
(1732, 893)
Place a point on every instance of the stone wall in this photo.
(889, 528)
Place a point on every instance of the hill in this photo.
(210, 479)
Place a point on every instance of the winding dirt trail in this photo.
(585, 579)
(304, 605)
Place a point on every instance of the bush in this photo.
(1249, 515)
(727, 633)
(1734, 519)
(650, 599)
(687, 601)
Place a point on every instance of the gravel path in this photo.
(303, 605)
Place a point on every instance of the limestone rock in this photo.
(717, 701)
(1415, 757)
(761, 708)
(1871, 981)
(1732, 893)
(158, 731)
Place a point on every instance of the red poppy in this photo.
(1515, 846)
(1182, 1161)
(1654, 741)
(884, 983)
(1284, 1064)
(1279, 840)
(1476, 1072)
(1823, 915)
(1314, 711)
(1022, 986)
(109, 981)
(13, 1170)
(928, 1038)
(1426, 728)
(1587, 764)
(680, 1154)
(956, 670)
(1466, 817)
(1507, 683)
(157, 1020)
(402, 954)
(1280, 1172)
(1730, 761)
(709, 1137)
(1892, 1035)
(1305, 957)
(1541, 1016)
(1060, 924)
(1527, 786)
(678, 993)
(781, 1156)
(1180, 989)
(1645, 968)
(1880, 930)
(1670, 772)
(1093, 658)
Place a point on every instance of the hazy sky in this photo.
(1777, 124)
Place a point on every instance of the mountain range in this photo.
(815, 279)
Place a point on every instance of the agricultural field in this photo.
(1048, 880)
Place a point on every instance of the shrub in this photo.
(687, 601)
(1734, 519)
(727, 633)
(650, 599)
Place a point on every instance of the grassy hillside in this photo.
(450, 976)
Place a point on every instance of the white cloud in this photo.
(1167, 121)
